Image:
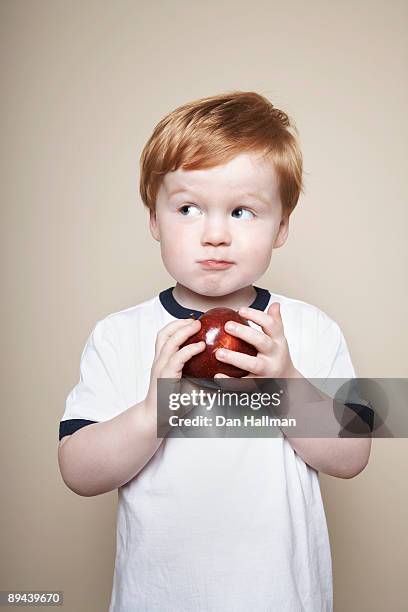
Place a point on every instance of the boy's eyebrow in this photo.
(178, 190)
(258, 196)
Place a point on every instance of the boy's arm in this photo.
(104, 456)
(341, 457)
(335, 456)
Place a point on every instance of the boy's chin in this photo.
(219, 291)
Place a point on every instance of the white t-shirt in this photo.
(212, 524)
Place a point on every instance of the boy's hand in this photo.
(273, 359)
(169, 359)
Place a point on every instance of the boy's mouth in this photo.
(215, 264)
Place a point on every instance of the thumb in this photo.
(274, 311)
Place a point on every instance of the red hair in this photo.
(211, 131)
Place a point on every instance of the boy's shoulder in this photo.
(316, 341)
(304, 312)
(137, 310)
(144, 316)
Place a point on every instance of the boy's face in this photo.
(230, 212)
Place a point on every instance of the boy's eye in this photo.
(244, 210)
(183, 208)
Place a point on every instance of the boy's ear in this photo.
(154, 230)
(283, 232)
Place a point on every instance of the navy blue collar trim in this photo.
(169, 302)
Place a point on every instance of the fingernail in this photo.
(230, 326)
(221, 353)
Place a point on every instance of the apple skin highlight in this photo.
(212, 332)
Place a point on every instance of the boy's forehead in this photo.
(244, 172)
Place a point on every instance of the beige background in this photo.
(83, 85)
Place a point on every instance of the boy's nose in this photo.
(216, 232)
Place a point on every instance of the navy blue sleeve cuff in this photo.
(364, 412)
(66, 428)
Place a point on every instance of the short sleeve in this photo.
(333, 358)
(97, 396)
(337, 371)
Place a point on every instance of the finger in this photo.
(245, 362)
(227, 383)
(270, 321)
(274, 311)
(167, 331)
(173, 342)
(243, 384)
(258, 339)
(175, 365)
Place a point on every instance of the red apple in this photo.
(205, 364)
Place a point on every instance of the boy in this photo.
(215, 524)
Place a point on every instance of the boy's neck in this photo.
(189, 299)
